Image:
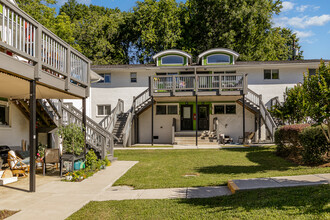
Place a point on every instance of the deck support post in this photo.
(33, 135)
(84, 123)
(152, 121)
(243, 118)
(196, 121)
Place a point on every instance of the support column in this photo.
(196, 120)
(243, 119)
(84, 123)
(152, 120)
(33, 135)
(49, 140)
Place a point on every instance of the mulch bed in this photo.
(6, 213)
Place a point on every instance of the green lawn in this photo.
(165, 168)
(285, 203)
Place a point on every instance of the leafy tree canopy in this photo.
(109, 36)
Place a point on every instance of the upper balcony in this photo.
(31, 51)
(199, 84)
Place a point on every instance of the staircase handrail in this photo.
(275, 100)
(173, 130)
(109, 121)
(53, 106)
(141, 98)
(127, 128)
(256, 99)
(96, 135)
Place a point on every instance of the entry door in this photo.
(186, 117)
(203, 117)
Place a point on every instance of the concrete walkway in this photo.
(58, 199)
(276, 182)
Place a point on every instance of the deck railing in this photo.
(198, 83)
(24, 38)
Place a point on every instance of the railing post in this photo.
(151, 89)
(173, 85)
(245, 84)
(220, 84)
(68, 68)
(196, 84)
(38, 48)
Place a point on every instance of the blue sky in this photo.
(310, 19)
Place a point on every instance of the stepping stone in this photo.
(5, 181)
(207, 192)
(305, 180)
(257, 183)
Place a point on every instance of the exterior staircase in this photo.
(119, 128)
(53, 113)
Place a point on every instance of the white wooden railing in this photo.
(268, 119)
(27, 40)
(109, 122)
(198, 83)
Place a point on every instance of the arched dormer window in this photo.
(172, 57)
(218, 56)
(218, 59)
(172, 60)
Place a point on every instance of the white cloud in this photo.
(304, 34)
(301, 22)
(303, 8)
(287, 6)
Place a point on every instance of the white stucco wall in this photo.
(18, 129)
(162, 127)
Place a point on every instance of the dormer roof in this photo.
(218, 50)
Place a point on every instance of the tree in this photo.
(242, 25)
(40, 10)
(157, 27)
(293, 110)
(317, 97)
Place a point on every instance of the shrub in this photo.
(107, 162)
(91, 160)
(287, 139)
(73, 139)
(314, 144)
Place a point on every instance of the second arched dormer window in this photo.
(218, 59)
(172, 60)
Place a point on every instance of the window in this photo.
(166, 109)
(4, 114)
(103, 110)
(230, 109)
(172, 109)
(133, 77)
(312, 72)
(161, 110)
(219, 109)
(107, 78)
(272, 74)
(218, 58)
(172, 59)
(225, 109)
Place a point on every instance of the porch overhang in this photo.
(200, 99)
(14, 87)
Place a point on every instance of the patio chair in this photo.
(17, 165)
(52, 156)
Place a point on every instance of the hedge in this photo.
(315, 145)
(287, 139)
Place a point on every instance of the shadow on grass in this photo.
(305, 200)
(264, 158)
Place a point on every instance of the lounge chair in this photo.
(17, 165)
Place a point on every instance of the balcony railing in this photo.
(203, 84)
(24, 38)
